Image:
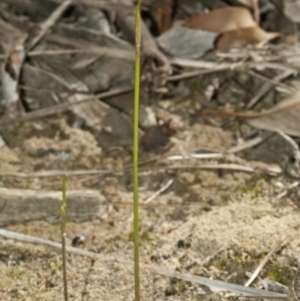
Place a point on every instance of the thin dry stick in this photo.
(284, 193)
(211, 257)
(101, 51)
(213, 166)
(234, 149)
(186, 75)
(224, 166)
(126, 53)
(276, 82)
(63, 52)
(65, 106)
(200, 64)
(267, 87)
(46, 25)
(293, 144)
(196, 156)
(56, 173)
(164, 206)
(106, 5)
(250, 143)
(267, 257)
(158, 192)
(233, 66)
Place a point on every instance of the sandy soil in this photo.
(216, 224)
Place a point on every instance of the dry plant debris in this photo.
(216, 194)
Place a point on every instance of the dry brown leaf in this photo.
(251, 4)
(254, 5)
(242, 37)
(222, 19)
(235, 24)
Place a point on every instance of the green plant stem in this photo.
(63, 213)
(136, 148)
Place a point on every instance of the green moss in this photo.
(254, 188)
(55, 267)
(220, 264)
(280, 273)
(238, 260)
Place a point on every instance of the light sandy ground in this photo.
(211, 223)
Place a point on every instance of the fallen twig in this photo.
(276, 80)
(293, 144)
(250, 143)
(233, 66)
(159, 191)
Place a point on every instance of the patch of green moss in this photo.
(54, 267)
(220, 264)
(254, 188)
(280, 273)
(236, 262)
